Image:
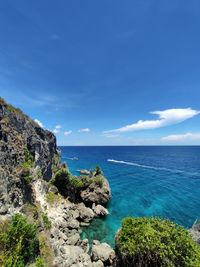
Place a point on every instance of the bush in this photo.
(155, 242)
(99, 181)
(46, 221)
(98, 171)
(18, 242)
(76, 182)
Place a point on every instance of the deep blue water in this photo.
(145, 181)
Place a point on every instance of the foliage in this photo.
(18, 242)
(39, 262)
(55, 163)
(61, 177)
(99, 181)
(45, 249)
(52, 198)
(76, 182)
(28, 178)
(98, 171)
(156, 242)
(46, 221)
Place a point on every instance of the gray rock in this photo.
(96, 194)
(53, 189)
(103, 252)
(85, 214)
(98, 264)
(99, 210)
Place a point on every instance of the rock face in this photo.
(103, 252)
(29, 161)
(96, 194)
(18, 135)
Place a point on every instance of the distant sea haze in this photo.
(145, 181)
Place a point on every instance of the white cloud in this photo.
(39, 123)
(182, 137)
(84, 130)
(57, 129)
(66, 133)
(165, 118)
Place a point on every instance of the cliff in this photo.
(33, 182)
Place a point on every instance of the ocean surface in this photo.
(145, 181)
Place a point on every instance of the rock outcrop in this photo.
(20, 138)
(29, 163)
(97, 194)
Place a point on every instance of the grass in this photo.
(46, 221)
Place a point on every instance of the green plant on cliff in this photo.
(46, 221)
(155, 242)
(18, 242)
(98, 171)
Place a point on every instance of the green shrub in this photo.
(52, 198)
(76, 182)
(155, 242)
(46, 221)
(98, 171)
(18, 242)
(39, 262)
(99, 181)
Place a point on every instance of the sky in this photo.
(104, 72)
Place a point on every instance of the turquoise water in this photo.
(145, 181)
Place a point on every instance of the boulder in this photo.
(99, 210)
(103, 252)
(85, 214)
(96, 194)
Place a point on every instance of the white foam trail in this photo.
(143, 166)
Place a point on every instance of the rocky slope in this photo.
(33, 181)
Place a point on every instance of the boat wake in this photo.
(150, 167)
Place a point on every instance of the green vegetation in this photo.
(52, 198)
(76, 182)
(99, 181)
(98, 171)
(18, 242)
(46, 221)
(155, 242)
(55, 163)
(39, 262)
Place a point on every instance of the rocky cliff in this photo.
(34, 182)
(21, 140)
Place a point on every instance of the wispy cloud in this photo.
(165, 118)
(182, 137)
(57, 129)
(39, 123)
(66, 133)
(84, 130)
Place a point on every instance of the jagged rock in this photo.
(53, 189)
(84, 172)
(98, 264)
(99, 210)
(96, 194)
(19, 133)
(195, 232)
(103, 252)
(84, 244)
(85, 214)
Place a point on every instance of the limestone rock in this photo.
(99, 210)
(103, 252)
(96, 194)
(85, 214)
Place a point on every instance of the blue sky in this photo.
(91, 68)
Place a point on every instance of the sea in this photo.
(162, 181)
